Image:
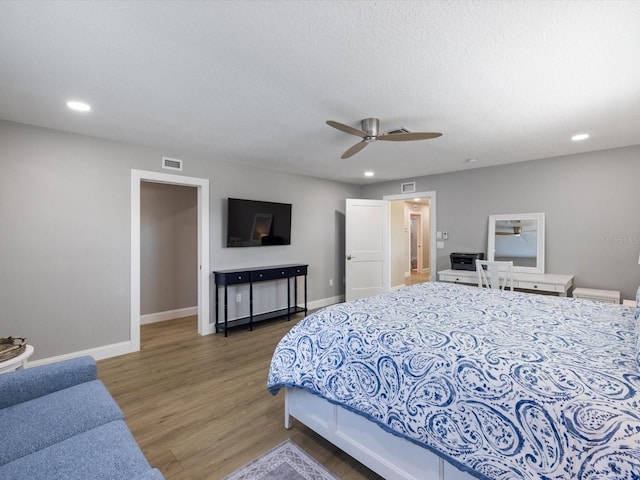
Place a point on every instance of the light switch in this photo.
(445, 235)
(439, 244)
(438, 234)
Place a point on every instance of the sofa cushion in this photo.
(23, 385)
(31, 426)
(107, 452)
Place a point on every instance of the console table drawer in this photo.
(301, 270)
(234, 278)
(533, 286)
(271, 274)
(545, 287)
(472, 280)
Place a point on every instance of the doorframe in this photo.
(202, 185)
(432, 222)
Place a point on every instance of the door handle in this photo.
(349, 257)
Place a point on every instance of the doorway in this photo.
(202, 186)
(382, 254)
(412, 238)
(168, 257)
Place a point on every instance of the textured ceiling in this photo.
(253, 82)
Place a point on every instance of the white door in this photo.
(366, 248)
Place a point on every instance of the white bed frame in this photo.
(390, 456)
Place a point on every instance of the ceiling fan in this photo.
(370, 133)
(516, 231)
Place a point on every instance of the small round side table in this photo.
(18, 362)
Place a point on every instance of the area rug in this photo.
(287, 461)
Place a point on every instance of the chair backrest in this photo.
(498, 275)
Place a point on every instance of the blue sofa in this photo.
(59, 422)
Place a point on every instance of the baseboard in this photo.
(116, 349)
(397, 287)
(98, 353)
(324, 302)
(168, 315)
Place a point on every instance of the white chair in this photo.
(498, 275)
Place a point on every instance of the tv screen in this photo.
(251, 223)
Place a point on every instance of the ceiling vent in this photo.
(399, 130)
(172, 164)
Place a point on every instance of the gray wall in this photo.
(591, 202)
(168, 247)
(65, 213)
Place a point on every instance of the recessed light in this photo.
(471, 160)
(580, 136)
(79, 106)
(368, 174)
(416, 199)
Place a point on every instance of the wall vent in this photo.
(172, 164)
(408, 187)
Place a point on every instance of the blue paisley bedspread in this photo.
(504, 385)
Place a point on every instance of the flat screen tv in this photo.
(252, 223)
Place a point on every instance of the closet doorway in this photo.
(168, 261)
(202, 264)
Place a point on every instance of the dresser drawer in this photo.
(473, 280)
(545, 287)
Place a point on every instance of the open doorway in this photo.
(412, 246)
(202, 187)
(168, 260)
(419, 269)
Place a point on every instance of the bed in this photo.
(455, 382)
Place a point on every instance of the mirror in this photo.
(519, 238)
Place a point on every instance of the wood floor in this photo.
(199, 407)
(416, 278)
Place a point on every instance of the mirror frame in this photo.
(539, 217)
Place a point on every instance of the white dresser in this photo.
(543, 282)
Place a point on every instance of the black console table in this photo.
(224, 278)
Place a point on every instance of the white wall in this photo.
(65, 232)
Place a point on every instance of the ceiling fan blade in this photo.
(355, 149)
(402, 137)
(346, 128)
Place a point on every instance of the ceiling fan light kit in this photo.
(371, 133)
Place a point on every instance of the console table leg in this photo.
(226, 310)
(289, 299)
(295, 294)
(251, 306)
(217, 308)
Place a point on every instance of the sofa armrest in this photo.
(22, 385)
